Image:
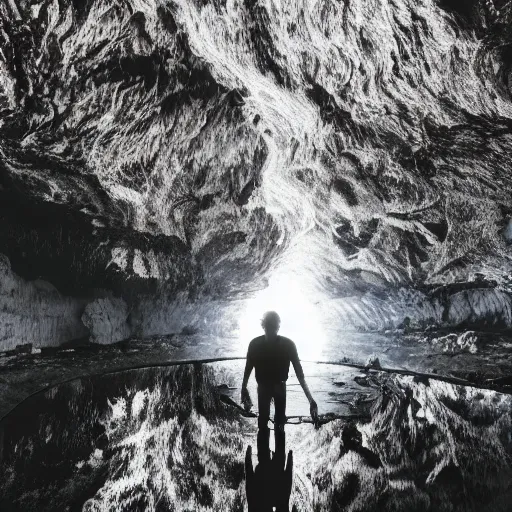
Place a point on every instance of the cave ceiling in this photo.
(207, 145)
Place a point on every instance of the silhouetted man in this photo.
(270, 355)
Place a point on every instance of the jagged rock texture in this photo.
(106, 319)
(360, 147)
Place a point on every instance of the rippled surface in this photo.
(163, 439)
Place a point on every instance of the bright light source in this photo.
(299, 317)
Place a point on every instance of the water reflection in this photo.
(165, 439)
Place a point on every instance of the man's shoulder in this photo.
(287, 341)
(256, 341)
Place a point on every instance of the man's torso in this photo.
(271, 358)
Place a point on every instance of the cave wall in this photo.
(36, 312)
(475, 308)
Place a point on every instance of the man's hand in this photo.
(246, 399)
(313, 409)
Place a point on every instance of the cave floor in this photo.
(489, 357)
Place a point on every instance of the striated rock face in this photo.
(205, 147)
(106, 320)
(404, 308)
(489, 307)
(35, 312)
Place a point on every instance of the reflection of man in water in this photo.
(270, 355)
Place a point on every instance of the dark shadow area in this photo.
(268, 486)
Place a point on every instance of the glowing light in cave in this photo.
(300, 320)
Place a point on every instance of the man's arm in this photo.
(249, 365)
(300, 374)
(300, 377)
(248, 370)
